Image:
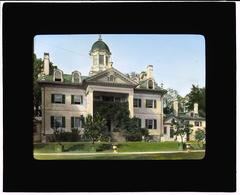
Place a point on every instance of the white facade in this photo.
(60, 90)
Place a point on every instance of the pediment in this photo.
(111, 76)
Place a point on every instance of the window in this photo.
(151, 123)
(57, 122)
(107, 98)
(101, 59)
(150, 84)
(111, 78)
(76, 122)
(58, 98)
(77, 99)
(137, 103)
(200, 123)
(151, 103)
(58, 75)
(76, 78)
(171, 132)
(196, 123)
(191, 114)
(117, 99)
(165, 130)
(106, 60)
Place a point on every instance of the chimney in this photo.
(149, 71)
(175, 107)
(46, 63)
(195, 110)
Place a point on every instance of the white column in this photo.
(90, 101)
(161, 116)
(130, 104)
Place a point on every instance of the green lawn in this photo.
(107, 147)
(165, 156)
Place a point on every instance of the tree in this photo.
(197, 95)
(94, 126)
(183, 128)
(168, 99)
(37, 69)
(116, 112)
(133, 131)
(200, 136)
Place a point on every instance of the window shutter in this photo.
(83, 121)
(155, 124)
(140, 103)
(155, 104)
(72, 99)
(146, 123)
(63, 99)
(81, 99)
(52, 121)
(52, 98)
(72, 122)
(63, 121)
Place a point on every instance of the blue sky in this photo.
(178, 60)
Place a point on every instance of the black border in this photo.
(215, 21)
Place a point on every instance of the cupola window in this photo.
(101, 59)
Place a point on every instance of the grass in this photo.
(106, 147)
(162, 156)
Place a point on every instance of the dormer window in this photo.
(58, 76)
(150, 84)
(76, 77)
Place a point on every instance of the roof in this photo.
(182, 116)
(143, 85)
(100, 45)
(67, 78)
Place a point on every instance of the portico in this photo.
(104, 93)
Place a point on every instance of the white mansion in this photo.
(67, 98)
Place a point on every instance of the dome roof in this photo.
(100, 45)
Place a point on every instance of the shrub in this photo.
(103, 147)
(61, 136)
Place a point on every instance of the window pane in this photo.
(101, 59)
(135, 104)
(150, 124)
(57, 121)
(149, 103)
(150, 84)
(171, 132)
(76, 78)
(58, 98)
(77, 122)
(165, 130)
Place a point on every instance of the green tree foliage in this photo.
(182, 128)
(132, 130)
(168, 99)
(116, 112)
(200, 136)
(37, 69)
(197, 95)
(94, 127)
